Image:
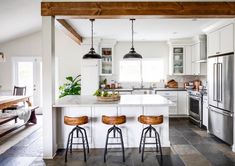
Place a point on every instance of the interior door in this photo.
(27, 72)
(212, 81)
(225, 82)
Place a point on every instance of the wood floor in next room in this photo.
(191, 146)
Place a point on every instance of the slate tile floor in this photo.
(191, 146)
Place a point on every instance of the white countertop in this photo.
(126, 100)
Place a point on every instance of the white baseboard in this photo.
(233, 148)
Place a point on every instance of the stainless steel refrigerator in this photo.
(220, 88)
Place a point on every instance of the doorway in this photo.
(27, 71)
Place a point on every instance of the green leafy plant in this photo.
(72, 87)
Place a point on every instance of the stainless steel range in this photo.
(196, 106)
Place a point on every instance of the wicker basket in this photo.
(109, 99)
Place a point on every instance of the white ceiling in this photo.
(145, 29)
(22, 17)
(18, 18)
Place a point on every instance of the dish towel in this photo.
(23, 113)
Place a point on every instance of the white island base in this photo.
(131, 106)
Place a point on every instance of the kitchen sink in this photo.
(144, 88)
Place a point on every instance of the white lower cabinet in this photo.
(179, 98)
(99, 128)
(131, 128)
(182, 103)
(205, 112)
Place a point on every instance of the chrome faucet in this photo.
(141, 82)
(141, 76)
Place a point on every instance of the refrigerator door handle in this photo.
(215, 82)
(222, 112)
(219, 68)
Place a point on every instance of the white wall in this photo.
(68, 53)
(29, 45)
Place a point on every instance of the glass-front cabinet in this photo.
(178, 60)
(106, 61)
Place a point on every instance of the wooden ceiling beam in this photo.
(70, 31)
(139, 9)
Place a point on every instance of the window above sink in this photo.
(152, 70)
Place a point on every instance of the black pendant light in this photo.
(132, 54)
(92, 54)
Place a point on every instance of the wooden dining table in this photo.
(8, 101)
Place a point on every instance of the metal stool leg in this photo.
(87, 144)
(106, 143)
(145, 133)
(123, 150)
(71, 142)
(141, 138)
(67, 147)
(83, 144)
(160, 147)
(156, 139)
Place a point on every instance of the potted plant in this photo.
(72, 87)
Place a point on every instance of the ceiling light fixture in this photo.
(92, 54)
(132, 54)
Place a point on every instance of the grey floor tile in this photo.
(178, 140)
(185, 149)
(219, 159)
(173, 160)
(195, 160)
(207, 148)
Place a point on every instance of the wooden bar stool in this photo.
(114, 120)
(150, 120)
(77, 121)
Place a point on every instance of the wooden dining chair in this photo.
(19, 91)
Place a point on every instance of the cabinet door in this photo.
(226, 39)
(213, 43)
(99, 129)
(90, 76)
(178, 61)
(188, 60)
(205, 113)
(131, 130)
(106, 61)
(195, 57)
(182, 103)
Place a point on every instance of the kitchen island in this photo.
(129, 105)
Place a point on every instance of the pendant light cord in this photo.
(132, 30)
(92, 20)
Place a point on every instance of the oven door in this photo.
(195, 108)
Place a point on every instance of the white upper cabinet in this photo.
(198, 53)
(213, 43)
(107, 54)
(178, 60)
(188, 59)
(221, 41)
(226, 39)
